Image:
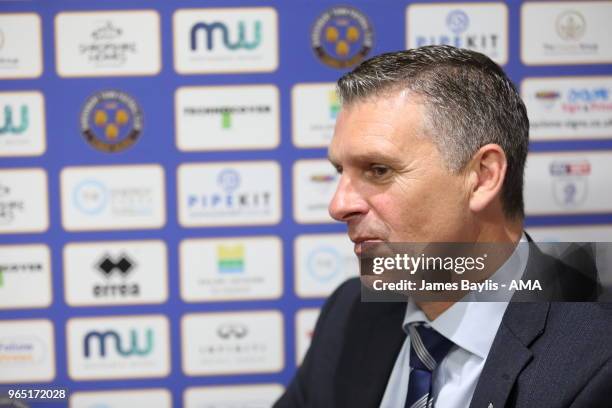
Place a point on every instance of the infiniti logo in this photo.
(235, 330)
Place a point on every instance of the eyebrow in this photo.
(369, 157)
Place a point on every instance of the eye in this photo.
(379, 170)
(338, 168)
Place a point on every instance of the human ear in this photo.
(487, 172)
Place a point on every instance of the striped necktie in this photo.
(427, 349)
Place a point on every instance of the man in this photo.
(431, 145)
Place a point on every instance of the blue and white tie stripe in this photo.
(427, 349)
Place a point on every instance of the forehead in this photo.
(379, 126)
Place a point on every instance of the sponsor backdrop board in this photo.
(164, 237)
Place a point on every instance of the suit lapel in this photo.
(374, 338)
(510, 354)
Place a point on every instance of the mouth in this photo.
(360, 241)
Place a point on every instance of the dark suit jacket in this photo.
(545, 354)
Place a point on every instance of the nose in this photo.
(347, 202)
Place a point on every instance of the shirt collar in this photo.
(473, 325)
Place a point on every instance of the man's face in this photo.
(394, 186)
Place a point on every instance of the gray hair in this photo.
(469, 101)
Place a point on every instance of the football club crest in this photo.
(342, 37)
(111, 121)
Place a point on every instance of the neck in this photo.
(508, 232)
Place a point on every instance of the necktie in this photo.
(427, 349)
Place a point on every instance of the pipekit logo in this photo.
(118, 347)
(225, 40)
(230, 199)
(481, 28)
(342, 37)
(229, 193)
(570, 181)
(111, 121)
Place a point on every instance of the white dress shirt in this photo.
(471, 326)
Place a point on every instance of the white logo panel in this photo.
(227, 117)
(27, 351)
(20, 46)
(115, 273)
(305, 322)
(113, 197)
(22, 121)
(232, 343)
(109, 43)
(23, 201)
(572, 233)
(568, 183)
(314, 111)
(566, 32)
(571, 107)
(233, 396)
(117, 347)
(314, 185)
(230, 193)
(225, 40)
(231, 269)
(322, 263)
(481, 27)
(154, 398)
(25, 276)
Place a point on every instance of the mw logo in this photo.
(123, 346)
(209, 29)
